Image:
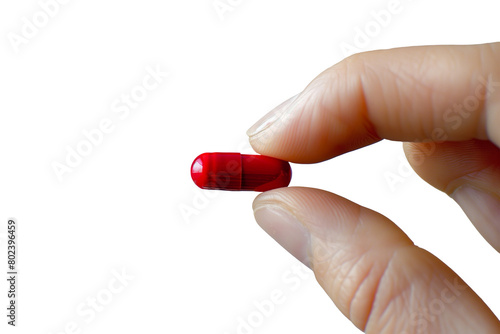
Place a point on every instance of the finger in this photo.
(441, 93)
(467, 171)
(369, 267)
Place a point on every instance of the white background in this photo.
(195, 264)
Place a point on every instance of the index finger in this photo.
(431, 93)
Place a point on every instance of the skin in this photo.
(443, 97)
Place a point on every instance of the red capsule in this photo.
(235, 171)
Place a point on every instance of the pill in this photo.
(235, 171)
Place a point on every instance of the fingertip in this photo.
(271, 117)
(406, 94)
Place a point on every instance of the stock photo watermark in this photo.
(223, 7)
(400, 174)
(32, 25)
(89, 309)
(263, 309)
(454, 117)
(379, 20)
(422, 318)
(94, 137)
(11, 240)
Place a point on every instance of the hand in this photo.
(376, 276)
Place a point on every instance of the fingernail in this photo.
(483, 210)
(271, 117)
(287, 230)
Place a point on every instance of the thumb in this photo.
(370, 269)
